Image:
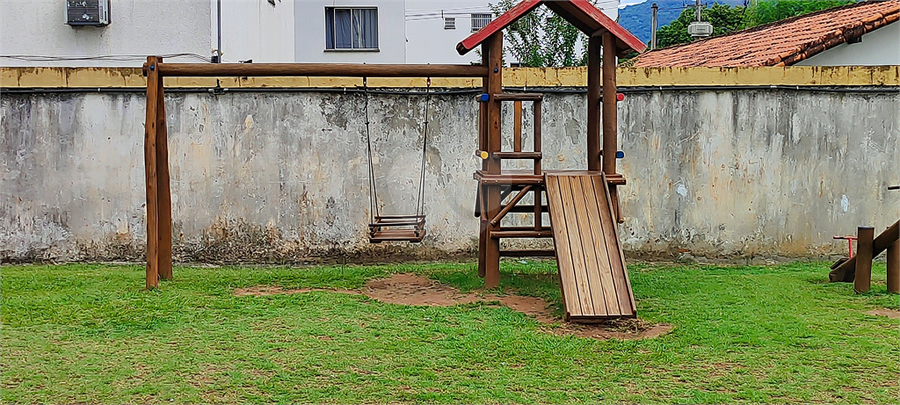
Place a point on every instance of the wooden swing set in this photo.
(583, 205)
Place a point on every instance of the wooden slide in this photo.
(594, 280)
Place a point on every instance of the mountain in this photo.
(637, 17)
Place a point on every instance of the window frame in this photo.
(481, 17)
(351, 9)
(450, 23)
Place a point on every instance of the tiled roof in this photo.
(782, 43)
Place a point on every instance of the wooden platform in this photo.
(594, 280)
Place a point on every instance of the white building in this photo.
(36, 32)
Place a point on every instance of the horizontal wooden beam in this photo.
(518, 97)
(522, 234)
(316, 69)
(527, 253)
(518, 155)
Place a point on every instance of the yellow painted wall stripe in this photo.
(54, 77)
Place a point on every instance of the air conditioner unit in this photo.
(87, 12)
(700, 29)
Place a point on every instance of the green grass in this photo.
(88, 333)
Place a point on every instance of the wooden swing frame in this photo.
(492, 181)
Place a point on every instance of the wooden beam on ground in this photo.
(150, 167)
(846, 271)
(318, 69)
(863, 280)
(893, 267)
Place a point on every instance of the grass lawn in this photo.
(88, 333)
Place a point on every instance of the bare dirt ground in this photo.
(890, 313)
(410, 289)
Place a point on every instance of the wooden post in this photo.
(494, 46)
(893, 267)
(593, 104)
(864, 248)
(164, 196)
(538, 169)
(517, 126)
(150, 167)
(610, 119)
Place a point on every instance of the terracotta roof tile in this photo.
(780, 43)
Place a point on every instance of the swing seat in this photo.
(397, 228)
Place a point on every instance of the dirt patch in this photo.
(410, 289)
(890, 313)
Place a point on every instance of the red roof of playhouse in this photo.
(580, 13)
(781, 43)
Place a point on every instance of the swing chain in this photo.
(420, 204)
(373, 196)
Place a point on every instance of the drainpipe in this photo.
(655, 9)
(219, 30)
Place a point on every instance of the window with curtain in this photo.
(351, 28)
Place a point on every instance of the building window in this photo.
(351, 28)
(449, 23)
(479, 21)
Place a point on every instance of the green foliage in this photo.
(765, 12)
(726, 19)
(747, 334)
(542, 38)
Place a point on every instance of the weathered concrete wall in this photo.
(283, 176)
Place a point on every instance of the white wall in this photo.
(428, 41)
(255, 29)
(310, 32)
(137, 28)
(879, 47)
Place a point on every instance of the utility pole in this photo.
(697, 10)
(653, 27)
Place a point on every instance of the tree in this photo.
(765, 12)
(726, 19)
(723, 18)
(542, 38)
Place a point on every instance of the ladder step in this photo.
(527, 253)
(518, 97)
(518, 155)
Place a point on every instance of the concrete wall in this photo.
(269, 176)
(137, 28)
(878, 47)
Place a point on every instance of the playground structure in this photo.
(858, 269)
(583, 205)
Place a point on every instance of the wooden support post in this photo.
(864, 248)
(893, 267)
(593, 104)
(538, 170)
(610, 119)
(517, 126)
(150, 167)
(164, 196)
(494, 47)
(537, 136)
